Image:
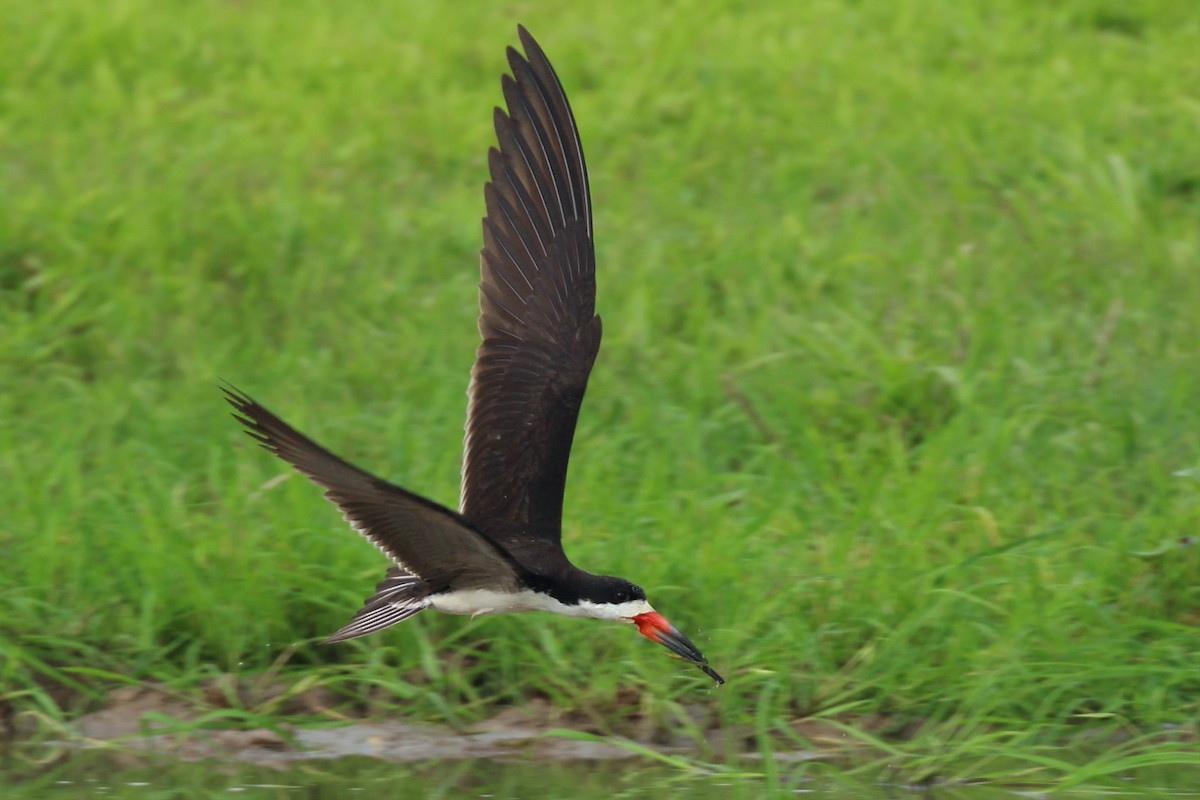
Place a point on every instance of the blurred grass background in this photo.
(896, 412)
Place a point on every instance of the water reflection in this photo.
(28, 774)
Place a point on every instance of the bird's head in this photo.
(623, 601)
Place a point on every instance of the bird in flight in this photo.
(502, 551)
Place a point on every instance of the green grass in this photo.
(899, 378)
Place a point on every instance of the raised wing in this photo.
(426, 540)
(537, 298)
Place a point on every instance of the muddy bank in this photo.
(152, 719)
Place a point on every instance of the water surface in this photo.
(65, 773)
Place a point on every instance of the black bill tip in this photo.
(654, 626)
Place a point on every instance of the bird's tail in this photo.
(397, 597)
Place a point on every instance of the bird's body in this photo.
(502, 552)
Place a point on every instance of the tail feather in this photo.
(397, 597)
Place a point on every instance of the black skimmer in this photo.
(502, 552)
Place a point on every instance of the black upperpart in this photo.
(576, 586)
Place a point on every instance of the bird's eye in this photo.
(622, 597)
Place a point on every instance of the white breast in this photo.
(486, 601)
(477, 602)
